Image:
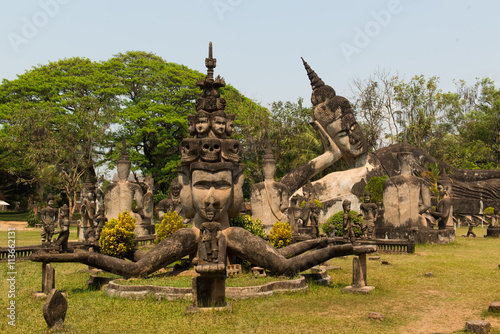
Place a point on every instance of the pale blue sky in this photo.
(258, 43)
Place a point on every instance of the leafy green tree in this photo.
(157, 96)
(54, 118)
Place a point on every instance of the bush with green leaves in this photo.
(489, 211)
(117, 235)
(376, 188)
(336, 221)
(32, 219)
(248, 223)
(170, 223)
(281, 235)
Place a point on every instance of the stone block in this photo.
(54, 309)
(376, 316)
(209, 291)
(258, 272)
(494, 307)
(48, 278)
(478, 326)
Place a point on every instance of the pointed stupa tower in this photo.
(321, 92)
(210, 126)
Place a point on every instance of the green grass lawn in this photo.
(32, 236)
(14, 216)
(466, 279)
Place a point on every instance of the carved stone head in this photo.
(175, 188)
(123, 165)
(210, 149)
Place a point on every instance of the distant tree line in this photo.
(62, 120)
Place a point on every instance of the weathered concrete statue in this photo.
(173, 202)
(348, 232)
(62, 239)
(342, 138)
(369, 212)
(120, 195)
(87, 211)
(269, 198)
(406, 197)
(444, 209)
(146, 227)
(49, 216)
(212, 178)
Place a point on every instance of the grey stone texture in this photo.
(54, 309)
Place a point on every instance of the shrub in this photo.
(117, 235)
(281, 235)
(32, 219)
(336, 221)
(170, 223)
(489, 211)
(248, 223)
(376, 188)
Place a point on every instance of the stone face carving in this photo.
(269, 198)
(173, 202)
(49, 216)
(120, 195)
(211, 194)
(342, 138)
(406, 197)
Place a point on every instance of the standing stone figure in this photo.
(62, 239)
(99, 222)
(172, 202)
(87, 212)
(347, 223)
(120, 195)
(444, 209)
(49, 220)
(146, 227)
(269, 199)
(369, 212)
(406, 198)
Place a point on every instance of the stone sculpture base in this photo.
(493, 232)
(144, 229)
(209, 291)
(361, 290)
(422, 236)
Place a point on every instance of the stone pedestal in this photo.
(209, 293)
(359, 276)
(493, 232)
(422, 235)
(478, 326)
(48, 278)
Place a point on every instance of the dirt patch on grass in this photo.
(5, 225)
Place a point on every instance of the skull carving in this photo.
(190, 150)
(210, 149)
(231, 150)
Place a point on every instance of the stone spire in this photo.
(124, 157)
(211, 127)
(316, 81)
